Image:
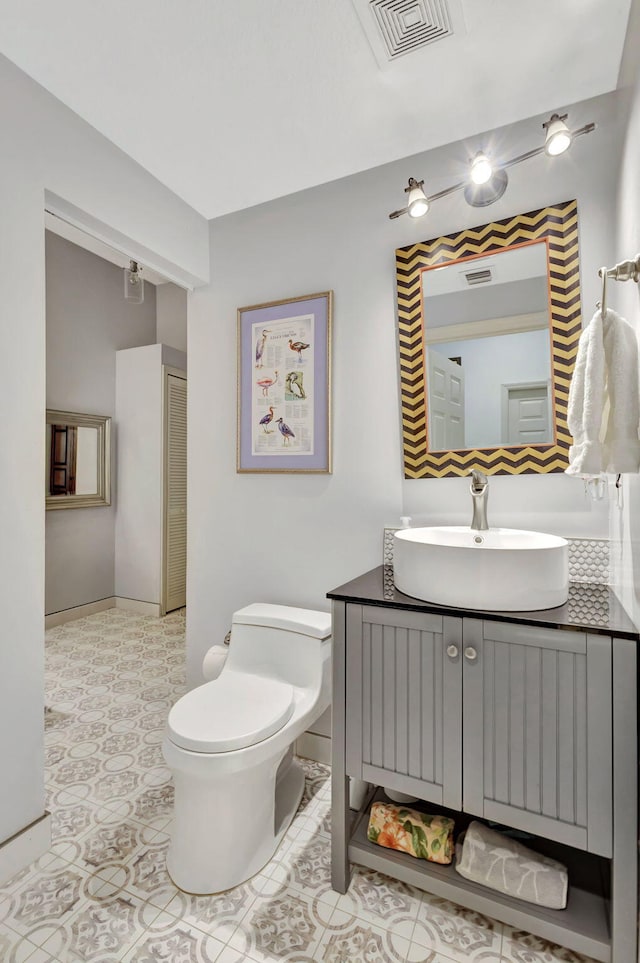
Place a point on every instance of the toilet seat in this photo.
(234, 711)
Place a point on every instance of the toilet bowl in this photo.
(229, 744)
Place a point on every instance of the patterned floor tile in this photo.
(153, 806)
(382, 901)
(114, 842)
(219, 915)
(519, 947)
(15, 948)
(45, 899)
(305, 866)
(458, 933)
(287, 926)
(168, 939)
(101, 930)
(143, 873)
(349, 939)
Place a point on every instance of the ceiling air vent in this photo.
(478, 277)
(398, 27)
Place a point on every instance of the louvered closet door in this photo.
(537, 731)
(175, 507)
(403, 706)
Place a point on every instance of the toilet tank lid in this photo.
(287, 617)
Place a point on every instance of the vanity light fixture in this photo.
(558, 138)
(487, 182)
(418, 203)
(133, 283)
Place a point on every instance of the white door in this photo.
(174, 594)
(528, 415)
(446, 402)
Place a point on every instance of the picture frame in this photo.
(284, 385)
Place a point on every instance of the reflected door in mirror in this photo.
(62, 460)
(446, 401)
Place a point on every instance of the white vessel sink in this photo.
(500, 569)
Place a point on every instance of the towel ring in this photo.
(602, 304)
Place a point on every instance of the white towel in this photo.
(605, 386)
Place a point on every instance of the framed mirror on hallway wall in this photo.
(488, 324)
(78, 460)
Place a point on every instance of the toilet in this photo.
(229, 744)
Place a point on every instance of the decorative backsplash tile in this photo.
(589, 602)
(387, 546)
(588, 558)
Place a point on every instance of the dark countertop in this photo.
(590, 607)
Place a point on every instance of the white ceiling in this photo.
(234, 103)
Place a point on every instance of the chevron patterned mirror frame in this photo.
(557, 226)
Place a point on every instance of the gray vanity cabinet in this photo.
(404, 710)
(529, 722)
(537, 731)
(508, 722)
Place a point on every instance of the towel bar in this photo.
(623, 271)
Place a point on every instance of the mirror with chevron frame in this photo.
(488, 325)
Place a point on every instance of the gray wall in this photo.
(88, 320)
(290, 538)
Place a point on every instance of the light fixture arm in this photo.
(413, 183)
(552, 120)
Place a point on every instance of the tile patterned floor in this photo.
(102, 894)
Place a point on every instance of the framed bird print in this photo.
(284, 385)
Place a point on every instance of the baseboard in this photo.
(20, 850)
(78, 612)
(315, 747)
(135, 605)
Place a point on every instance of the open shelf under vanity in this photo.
(584, 925)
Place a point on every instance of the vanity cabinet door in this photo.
(403, 702)
(538, 732)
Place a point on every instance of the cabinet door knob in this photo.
(470, 654)
(452, 651)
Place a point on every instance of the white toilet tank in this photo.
(280, 641)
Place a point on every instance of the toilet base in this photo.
(219, 841)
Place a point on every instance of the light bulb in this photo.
(481, 169)
(418, 203)
(133, 284)
(558, 138)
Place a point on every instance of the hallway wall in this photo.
(47, 148)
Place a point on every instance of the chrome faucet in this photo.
(479, 493)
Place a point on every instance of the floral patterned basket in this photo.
(420, 835)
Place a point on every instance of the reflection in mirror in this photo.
(488, 346)
(78, 460)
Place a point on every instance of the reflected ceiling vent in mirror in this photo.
(395, 28)
(481, 276)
